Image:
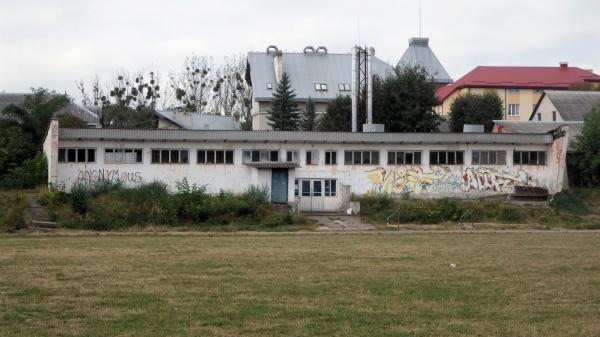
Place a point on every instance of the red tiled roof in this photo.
(519, 77)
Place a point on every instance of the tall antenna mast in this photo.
(358, 28)
(420, 18)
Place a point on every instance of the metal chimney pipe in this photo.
(354, 88)
(370, 55)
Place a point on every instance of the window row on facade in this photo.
(312, 157)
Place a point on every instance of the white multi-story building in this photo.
(313, 170)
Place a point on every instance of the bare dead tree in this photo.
(192, 85)
(231, 94)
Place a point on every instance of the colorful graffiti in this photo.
(409, 180)
(439, 179)
(490, 179)
(92, 175)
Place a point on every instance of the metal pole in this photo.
(370, 55)
(354, 88)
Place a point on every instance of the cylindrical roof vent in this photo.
(272, 49)
(309, 50)
(321, 50)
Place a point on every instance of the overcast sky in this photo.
(54, 43)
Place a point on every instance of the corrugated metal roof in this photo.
(72, 108)
(304, 71)
(573, 105)
(530, 127)
(198, 121)
(302, 137)
(519, 77)
(419, 54)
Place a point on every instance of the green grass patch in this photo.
(13, 210)
(300, 285)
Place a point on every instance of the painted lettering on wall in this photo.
(491, 179)
(93, 175)
(440, 179)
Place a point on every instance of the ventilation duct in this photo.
(322, 50)
(309, 50)
(272, 49)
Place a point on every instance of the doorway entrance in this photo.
(279, 186)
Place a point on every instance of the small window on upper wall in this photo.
(320, 87)
(446, 157)
(529, 158)
(513, 110)
(488, 157)
(76, 155)
(513, 90)
(539, 116)
(554, 116)
(169, 156)
(347, 87)
(404, 157)
(269, 86)
(312, 157)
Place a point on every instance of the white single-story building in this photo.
(315, 171)
(565, 106)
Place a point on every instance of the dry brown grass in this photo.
(301, 285)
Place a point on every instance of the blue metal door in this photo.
(279, 186)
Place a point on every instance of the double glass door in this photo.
(311, 195)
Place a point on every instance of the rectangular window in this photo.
(539, 117)
(320, 87)
(269, 86)
(330, 157)
(554, 116)
(513, 90)
(361, 157)
(513, 110)
(488, 157)
(330, 188)
(296, 188)
(170, 156)
(291, 156)
(274, 156)
(214, 157)
(122, 156)
(306, 188)
(312, 157)
(77, 155)
(446, 157)
(347, 87)
(317, 188)
(404, 157)
(343, 87)
(62, 155)
(529, 158)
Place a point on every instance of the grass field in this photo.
(301, 285)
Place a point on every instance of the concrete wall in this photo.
(50, 149)
(526, 98)
(424, 181)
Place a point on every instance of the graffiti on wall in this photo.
(490, 179)
(93, 175)
(440, 179)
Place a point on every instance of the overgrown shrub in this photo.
(13, 211)
(107, 206)
(31, 173)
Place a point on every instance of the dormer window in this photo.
(343, 87)
(320, 87)
(269, 86)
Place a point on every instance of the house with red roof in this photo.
(519, 87)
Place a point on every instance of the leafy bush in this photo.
(13, 211)
(107, 206)
(568, 201)
(31, 173)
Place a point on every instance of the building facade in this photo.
(314, 73)
(565, 106)
(311, 170)
(520, 88)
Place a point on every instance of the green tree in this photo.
(404, 101)
(284, 114)
(309, 117)
(15, 147)
(587, 145)
(475, 109)
(34, 114)
(338, 116)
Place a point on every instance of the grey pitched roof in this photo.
(305, 70)
(197, 121)
(537, 127)
(419, 54)
(573, 105)
(175, 135)
(534, 127)
(72, 108)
